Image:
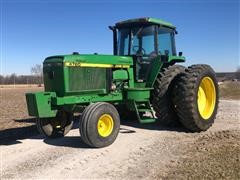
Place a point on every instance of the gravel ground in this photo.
(140, 151)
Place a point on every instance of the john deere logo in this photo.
(78, 64)
(72, 64)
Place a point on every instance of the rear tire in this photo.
(99, 125)
(162, 95)
(196, 97)
(55, 127)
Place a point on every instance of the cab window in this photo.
(165, 41)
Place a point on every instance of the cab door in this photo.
(144, 50)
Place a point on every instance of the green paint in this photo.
(39, 104)
(120, 75)
(138, 94)
(145, 20)
(89, 58)
(86, 99)
(176, 58)
(156, 66)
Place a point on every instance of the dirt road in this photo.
(140, 151)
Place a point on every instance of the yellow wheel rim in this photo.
(105, 125)
(206, 97)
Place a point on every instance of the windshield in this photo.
(141, 41)
(123, 41)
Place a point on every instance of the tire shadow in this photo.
(67, 141)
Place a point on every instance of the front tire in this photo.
(55, 127)
(99, 125)
(196, 97)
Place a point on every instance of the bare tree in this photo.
(38, 73)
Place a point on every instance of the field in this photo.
(10, 86)
(160, 151)
(230, 90)
(15, 121)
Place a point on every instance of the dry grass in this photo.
(13, 107)
(229, 90)
(11, 86)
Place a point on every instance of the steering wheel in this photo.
(139, 50)
(152, 55)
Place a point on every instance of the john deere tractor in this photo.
(141, 78)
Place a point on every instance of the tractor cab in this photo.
(145, 39)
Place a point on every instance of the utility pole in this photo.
(14, 81)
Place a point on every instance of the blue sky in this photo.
(208, 31)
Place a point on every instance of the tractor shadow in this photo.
(152, 126)
(68, 141)
(127, 128)
(76, 141)
(14, 135)
(11, 136)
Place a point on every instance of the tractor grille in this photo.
(82, 78)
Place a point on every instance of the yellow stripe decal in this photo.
(77, 64)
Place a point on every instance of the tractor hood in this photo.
(81, 73)
(89, 60)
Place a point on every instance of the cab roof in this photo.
(145, 20)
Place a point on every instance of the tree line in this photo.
(36, 77)
(21, 79)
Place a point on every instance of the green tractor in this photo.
(141, 78)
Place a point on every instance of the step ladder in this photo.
(144, 112)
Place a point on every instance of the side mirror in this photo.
(179, 53)
(166, 52)
(111, 27)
